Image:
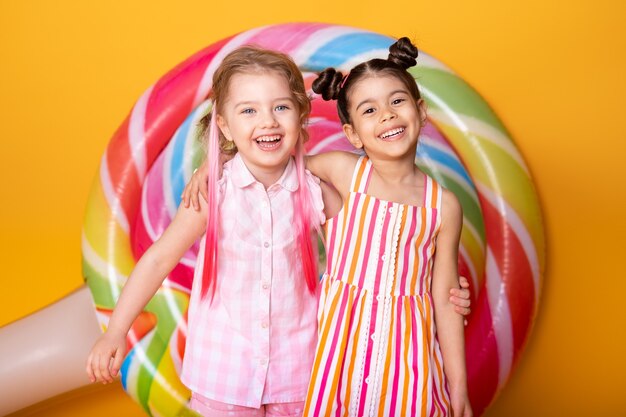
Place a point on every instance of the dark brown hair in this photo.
(333, 85)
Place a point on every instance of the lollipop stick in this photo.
(43, 354)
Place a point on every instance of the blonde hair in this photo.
(254, 60)
(247, 60)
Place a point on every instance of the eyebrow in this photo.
(247, 103)
(367, 100)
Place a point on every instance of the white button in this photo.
(266, 244)
(264, 325)
(266, 285)
(264, 203)
(373, 336)
(384, 257)
(367, 380)
(378, 297)
(263, 361)
(390, 209)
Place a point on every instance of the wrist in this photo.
(459, 387)
(115, 331)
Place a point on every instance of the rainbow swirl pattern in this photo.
(464, 146)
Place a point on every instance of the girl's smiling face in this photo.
(385, 118)
(261, 116)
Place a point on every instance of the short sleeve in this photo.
(316, 195)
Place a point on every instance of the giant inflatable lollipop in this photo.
(465, 147)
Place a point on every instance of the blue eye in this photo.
(247, 111)
(282, 107)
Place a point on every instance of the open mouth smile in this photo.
(391, 134)
(268, 142)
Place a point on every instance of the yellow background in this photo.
(555, 74)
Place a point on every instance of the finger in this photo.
(464, 293)
(185, 197)
(463, 282)
(455, 292)
(88, 369)
(196, 202)
(204, 191)
(460, 302)
(95, 368)
(103, 366)
(117, 362)
(464, 311)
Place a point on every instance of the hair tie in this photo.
(344, 80)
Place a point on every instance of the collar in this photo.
(242, 177)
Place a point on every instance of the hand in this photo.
(197, 185)
(106, 357)
(461, 297)
(461, 406)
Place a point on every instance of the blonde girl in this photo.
(252, 314)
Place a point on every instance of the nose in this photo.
(386, 114)
(268, 120)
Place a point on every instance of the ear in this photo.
(221, 123)
(422, 109)
(352, 136)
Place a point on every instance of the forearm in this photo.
(451, 338)
(149, 273)
(143, 283)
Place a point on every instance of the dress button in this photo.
(264, 325)
(266, 244)
(390, 209)
(384, 257)
(263, 361)
(367, 380)
(266, 285)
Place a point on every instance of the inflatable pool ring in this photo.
(464, 146)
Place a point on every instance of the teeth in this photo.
(268, 138)
(392, 132)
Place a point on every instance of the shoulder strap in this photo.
(361, 175)
(433, 193)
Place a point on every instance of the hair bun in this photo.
(328, 84)
(403, 53)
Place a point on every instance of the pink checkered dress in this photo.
(255, 343)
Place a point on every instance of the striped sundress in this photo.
(377, 351)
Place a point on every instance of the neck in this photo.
(267, 175)
(396, 171)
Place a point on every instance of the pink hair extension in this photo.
(303, 214)
(209, 274)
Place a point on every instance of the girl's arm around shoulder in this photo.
(334, 168)
(156, 263)
(449, 324)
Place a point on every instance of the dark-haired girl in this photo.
(389, 342)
